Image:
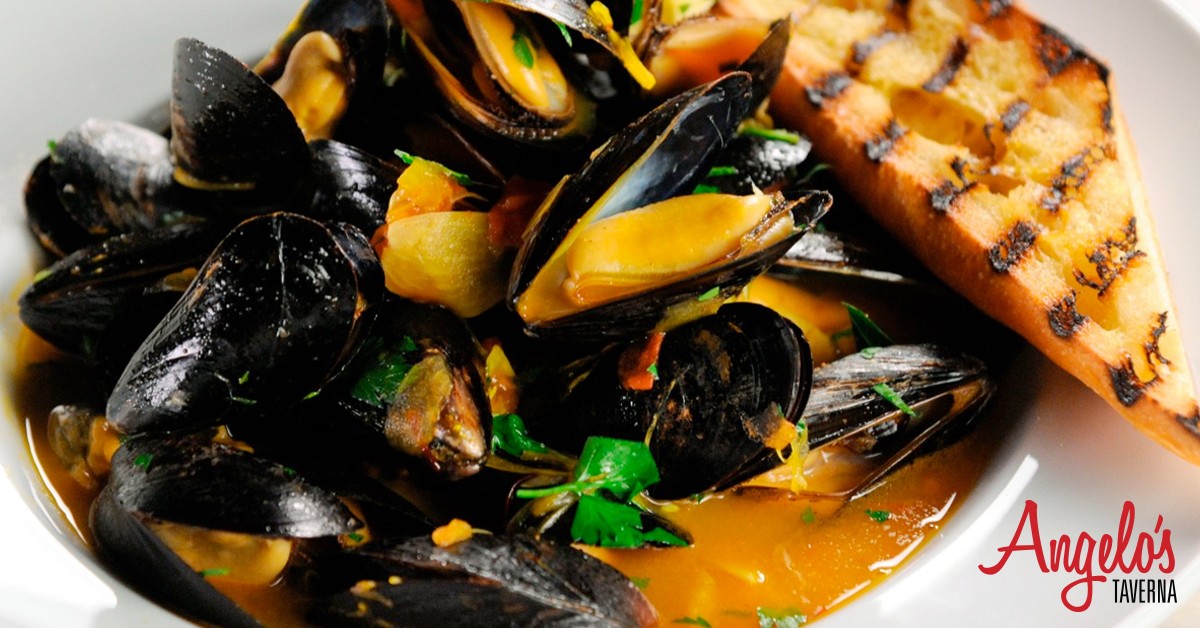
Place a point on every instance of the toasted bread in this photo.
(993, 147)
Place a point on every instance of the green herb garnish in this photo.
(640, 583)
(562, 28)
(693, 621)
(709, 294)
(704, 188)
(605, 523)
(244, 378)
(869, 352)
(409, 158)
(387, 368)
(780, 618)
(809, 515)
(53, 146)
(143, 461)
(879, 515)
(290, 472)
(215, 571)
(892, 397)
(245, 401)
(311, 395)
(722, 171)
(635, 14)
(523, 46)
(354, 536)
(779, 135)
(653, 370)
(866, 332)
(509, 436)
(42, 274)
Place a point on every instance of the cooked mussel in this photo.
(274, 312)
(418, 381)
(182, 511)
(494, 71)
(486, 580)
(351, 185)
(614, 248)
(229, 130)
(329, 62)
(56, 231)
(699, 50)
(715, 406)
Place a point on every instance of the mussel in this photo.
(181, 510)
(486, 580)
(274, 312)
(615, 249)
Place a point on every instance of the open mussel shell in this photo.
(418, 381)
(725, 384)
(845, 254)
(193, 482)
(274, 312)
(701, 49)
(76, 301)
(359, 27)
(484, 581)
(468, 56)
(850, 406)
(229, 130)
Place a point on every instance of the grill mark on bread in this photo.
(994, 8)
(1125, 382)
(863, 49)
(1111, 258)
(1065, 320)
(1071, 176)
(1154, 355)
(1011, 248)
(950, 65)
(1058, 52)
(1013, 115)
(942, 197)
(828, 88)
(880, 146)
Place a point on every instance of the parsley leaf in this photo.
(879, 515)
(522, 46)
(892, 397)
(653, 370)
(409, 158)
(779, 135)
(780, 618)
(143, 461)
(640, 583)
(623, 467)
(510, 436)
(704, 188)
(693, 621)
(215, 571)
(387, 366)
(709, 294)
(722, 171)
(562, 28)
(635, 14)
(601, 522)
(809, 515)
(866, 332)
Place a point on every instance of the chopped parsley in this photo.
(722, 171)
(245, 401)
(244, 378)
(635, 14)
(866, 332)
(387, 366)
(892, 397)
(460, 178)
(609, 474)
(523, 46)
(290, 472)
(355, 537)
(879, 515)
(693, 621)
(709, 294)
(42, 274)
(562, 28)
(869, 352)
(780, 618)
(653, 370)
(809, 515)
(640, 583)
(311, 395)
(143, 461)
(704, 188)
(510, 436)
(215, 571)
(778, 135)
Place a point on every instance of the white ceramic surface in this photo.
(67, 60)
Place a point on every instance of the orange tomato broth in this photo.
(751, 552)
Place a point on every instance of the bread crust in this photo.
(1043, 225)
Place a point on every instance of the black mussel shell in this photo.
(845, 402)
(724, 383)
(113, 177)
(56, 231)
(766, 62)
(195, 482)
(845, 254)
(274, 312)
(359, 26)
(418, 381)
(759, 163)
(351, 185)
(229, 129)
(484, 581)
(76, 301)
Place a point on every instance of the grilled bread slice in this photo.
(994, 148)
